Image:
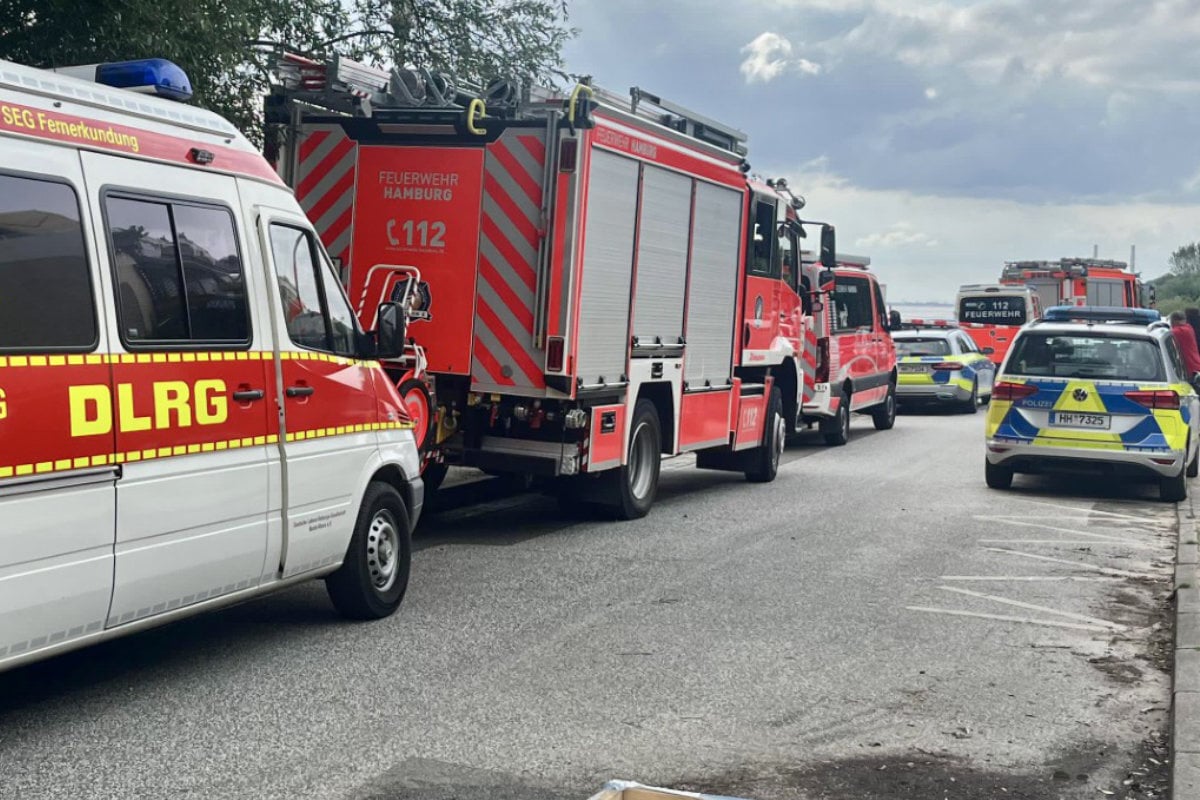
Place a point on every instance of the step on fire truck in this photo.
(594, 280)
(1079, 282)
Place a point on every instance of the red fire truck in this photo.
(1078, 282)
(594, 280)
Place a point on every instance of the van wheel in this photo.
(765, 461)
(1174, 490)
(374, 575)
(837, 430)
(997, 476)
(884, 415)
(630, 490)
(971, 405)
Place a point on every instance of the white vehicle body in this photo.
(175, 434)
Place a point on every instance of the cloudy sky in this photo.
(942, 137)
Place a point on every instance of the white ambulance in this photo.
(189, 413)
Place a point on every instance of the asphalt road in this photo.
(875, 623)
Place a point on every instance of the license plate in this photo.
(913, 368)
(1073, 419)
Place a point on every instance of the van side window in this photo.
(316, 311)
(763, 253)
(179, 277)
(852, 307)
(46, 300)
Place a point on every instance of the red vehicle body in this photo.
(853, 358)
(595, 281)
(1078, 282)
(991, 314)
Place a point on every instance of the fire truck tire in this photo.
(433, 475)
(884, 415)
(419, 405)
(764, 464)
(836, 431)
(971, 405)
(997, 476)
(373, 577)
(629, 491)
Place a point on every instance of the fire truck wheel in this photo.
(884, 415)
(837, 430)
(433, 475)
(374, 575)
(765, 461)
(419, 405)
(630, 490)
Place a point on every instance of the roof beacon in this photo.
(1139, 316)
(146, 75)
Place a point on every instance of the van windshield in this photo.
(992, 310)
(1110, 358)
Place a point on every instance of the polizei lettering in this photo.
(415, 185)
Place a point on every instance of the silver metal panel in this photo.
(716, 242)
(607, 267)
(662, 256)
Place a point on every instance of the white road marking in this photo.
(1028, 578)
(1139, 517)
(1084, 543)
(1115, 626)
(1077, 564)
(1005, 618)
(1075, 531)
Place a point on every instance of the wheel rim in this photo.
(777, 446)
(642, 453)
(383, 550)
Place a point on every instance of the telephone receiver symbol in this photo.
(391, 223)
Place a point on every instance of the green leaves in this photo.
(220, 43)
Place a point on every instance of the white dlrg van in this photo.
(189, 414)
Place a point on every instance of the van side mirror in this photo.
(826, 280)
(828, 247)
(389, 331)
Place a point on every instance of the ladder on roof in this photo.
(653, 108)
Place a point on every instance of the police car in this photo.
(939, 362)
(1095, 390)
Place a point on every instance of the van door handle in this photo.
(300, 391)
(249, 395)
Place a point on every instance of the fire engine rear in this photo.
(575, 265)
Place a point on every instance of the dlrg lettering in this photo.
(176, 405)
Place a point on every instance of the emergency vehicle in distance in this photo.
(596, 282)
(991, 314)
(939, 362)
(189, 412)
(1079, 282)
(849, 351)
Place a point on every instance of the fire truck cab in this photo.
(849, 349)
(599, 283)
(1077, 282)
(189, 414)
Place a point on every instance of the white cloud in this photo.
(769, 56)
(898, 235)
(931, 93)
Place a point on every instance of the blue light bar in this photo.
(1141, 316)
(152, 75)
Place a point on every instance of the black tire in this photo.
(433, 475)
(420, 392)
(1173, 490)
(765, 460)
(971, 405)
(374, 575)
(997, 475)
(884, 415)
(629, 490)
(836, 431)
(1193, 468)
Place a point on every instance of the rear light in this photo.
(1152, 399)
(822, 361)
(1012, 391)
(555, 353)
(1166, 462)
(568, 155)
(995, 448)
(947, 365)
